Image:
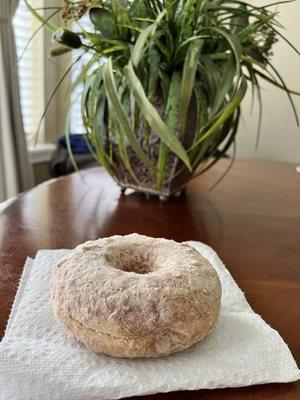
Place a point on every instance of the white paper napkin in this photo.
(38, 360)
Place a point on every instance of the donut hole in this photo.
(137, 259)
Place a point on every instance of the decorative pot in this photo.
(139, 177)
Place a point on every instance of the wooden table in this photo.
(252, 219)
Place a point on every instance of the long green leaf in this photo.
(235, 102)
(118, 132)
(36, 32)
(81, 77)
(273, 82)
(226, 83)
(99, 128)
(287, 92)
(227, 145)
(152, 116)
(171, 119)
(67, 71)
(120, 114)
(52, 27)
(138, 50)
(187, 82)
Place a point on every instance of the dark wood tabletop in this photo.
(252, 219)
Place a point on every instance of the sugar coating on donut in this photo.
(136, 296)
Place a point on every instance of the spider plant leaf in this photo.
(139, 47)
(188, 19)
(202, 107)
(134, 29)
(120, 114)
(171, 120)
(211, 75)
(239, 20)
(59, 50)
(114, 127)
(187, 82)
(90, 102)
(263, 7)
(121, 18)
(152, 116)
(50, 25)
(171, 8)
(225, 85)
(287, 92)
(86, 112)
(275, 83)
(233, 43)
(164, 81)
(225, 173)
(285, 39)
(81, 78)
(98, 81)
(99, 129)
(113, 49)
(260, 108)
(153, 62)
(249, 29)
(229, 109)
(67, 38)
(103, 21)
(36, 32)
(218, 138)
(98, 38)
(230, 139)
(62, 78)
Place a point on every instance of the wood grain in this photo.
(252, 219)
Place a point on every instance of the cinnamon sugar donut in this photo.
(136, 296)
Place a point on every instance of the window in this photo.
(76, 124)
(30, 68)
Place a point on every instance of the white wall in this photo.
(280, 137)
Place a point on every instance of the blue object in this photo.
(77, 142)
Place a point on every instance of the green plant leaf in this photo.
(59, 50)
(120, 113)
(66, 72)
(118, 132)
(50, 25)
(113, 49)
(228, 143)
(154, 61)
(202, 105)
(99, 130)
(103, 21)
(287, 92)
(234, 103)
(36, 32)
(171, 120)
(226, 83)
(273, 82)
(187, 82)
(152, 116)
(234, 44)
(82, 76)
(239, 20)
(139, 47)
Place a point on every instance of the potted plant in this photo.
(165, 81)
